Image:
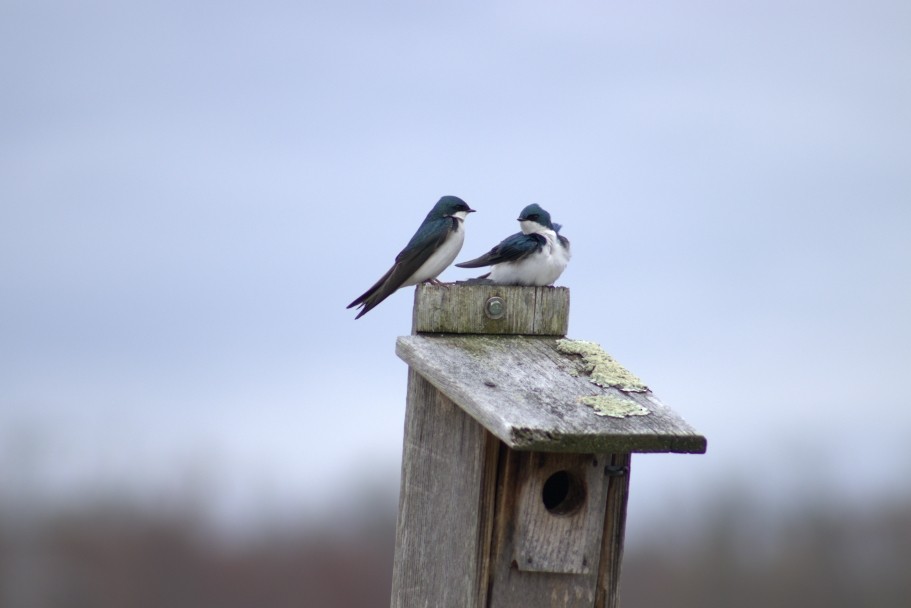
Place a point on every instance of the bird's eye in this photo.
(533, 217)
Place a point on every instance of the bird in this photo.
(434, 246)
(536, 256)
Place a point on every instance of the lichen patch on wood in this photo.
(614, 406)
(604, 369)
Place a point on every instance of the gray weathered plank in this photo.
(527, 393)
(608, 592)
(460, 308)
(446, 503)
(553, 540)
(511, 586)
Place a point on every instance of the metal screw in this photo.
(495, 307)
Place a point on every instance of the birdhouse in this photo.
(516, 460)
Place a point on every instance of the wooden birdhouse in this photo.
(515, 470)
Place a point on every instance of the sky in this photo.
(191, 193)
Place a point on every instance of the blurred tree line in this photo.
(110, 555)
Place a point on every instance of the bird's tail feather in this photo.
(364, 297)
(484, 260)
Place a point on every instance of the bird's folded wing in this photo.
(416, 252)
(510, 249)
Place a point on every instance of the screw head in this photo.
(495, 307)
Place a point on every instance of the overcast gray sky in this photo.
(192, 192)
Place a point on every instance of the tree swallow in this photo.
(433, 247)
(536, 256)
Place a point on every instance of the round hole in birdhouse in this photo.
(563, 493)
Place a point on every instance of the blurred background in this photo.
(191, 192)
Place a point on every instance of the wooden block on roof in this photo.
(477, 308)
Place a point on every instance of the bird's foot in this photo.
(437, 283)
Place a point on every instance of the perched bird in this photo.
(432, 248)
(536, 256)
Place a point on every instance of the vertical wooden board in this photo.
(511, 587)
(551, 311)
(614, 532)
(443, 531)
(493, 451)
(560, 512)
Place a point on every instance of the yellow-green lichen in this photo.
(613, 406)
(604, 370)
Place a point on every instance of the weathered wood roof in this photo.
(533, 395)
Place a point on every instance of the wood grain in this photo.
(549, 540)
(608, 593)
(459, 308)
(527, 394)
(511, 586)
(445, 506)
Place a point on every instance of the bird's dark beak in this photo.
(472, 210)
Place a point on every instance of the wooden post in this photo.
(513, 490)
